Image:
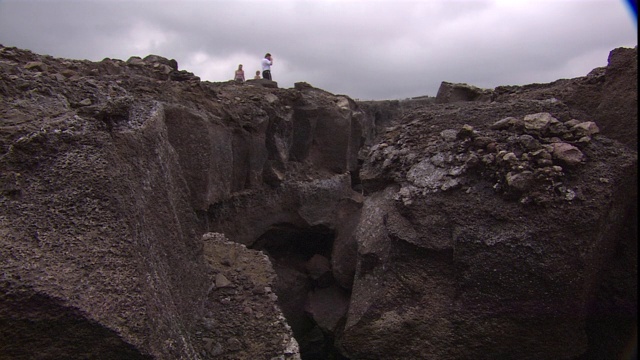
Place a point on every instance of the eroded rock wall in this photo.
(472, 232)
(104, 169)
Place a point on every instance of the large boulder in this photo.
(454, 92)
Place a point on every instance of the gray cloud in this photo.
(382, 49)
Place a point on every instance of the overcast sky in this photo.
(368, 49)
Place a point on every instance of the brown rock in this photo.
(568, 154)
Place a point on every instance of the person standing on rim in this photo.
(266, 66)
(239, 74)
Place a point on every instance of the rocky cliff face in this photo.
(148, 214)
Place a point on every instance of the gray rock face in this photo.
(147, 214)
(443, 270)
(99, 204)
(450, 92)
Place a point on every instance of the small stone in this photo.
(448, 135)
(586, 128)
(510, 157)
(234, 344)
(520, 181)
(529, 142)
(544, 162)
(488, 159)
(539, 121)
(466, 132)
(503, 123)
(37, 65)
(58, 77)
(213, 347)
(568, 154)
(222, 281)
(571, 123)
(569, 195)
(482, 141)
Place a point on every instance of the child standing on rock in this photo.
(239, 74)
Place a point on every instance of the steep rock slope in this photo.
(494, 229)
(99, 215)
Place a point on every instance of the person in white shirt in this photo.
(266, 63)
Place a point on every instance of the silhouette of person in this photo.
(266, 63)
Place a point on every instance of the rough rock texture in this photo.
(450, 92)
(608, 95)
(102, 255)
(472, 241)
(147, 214)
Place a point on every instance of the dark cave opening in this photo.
(311, 300)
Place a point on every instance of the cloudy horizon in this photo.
(369, 50)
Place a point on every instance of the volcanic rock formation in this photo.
(148, 214)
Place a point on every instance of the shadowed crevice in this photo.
(308, 295)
